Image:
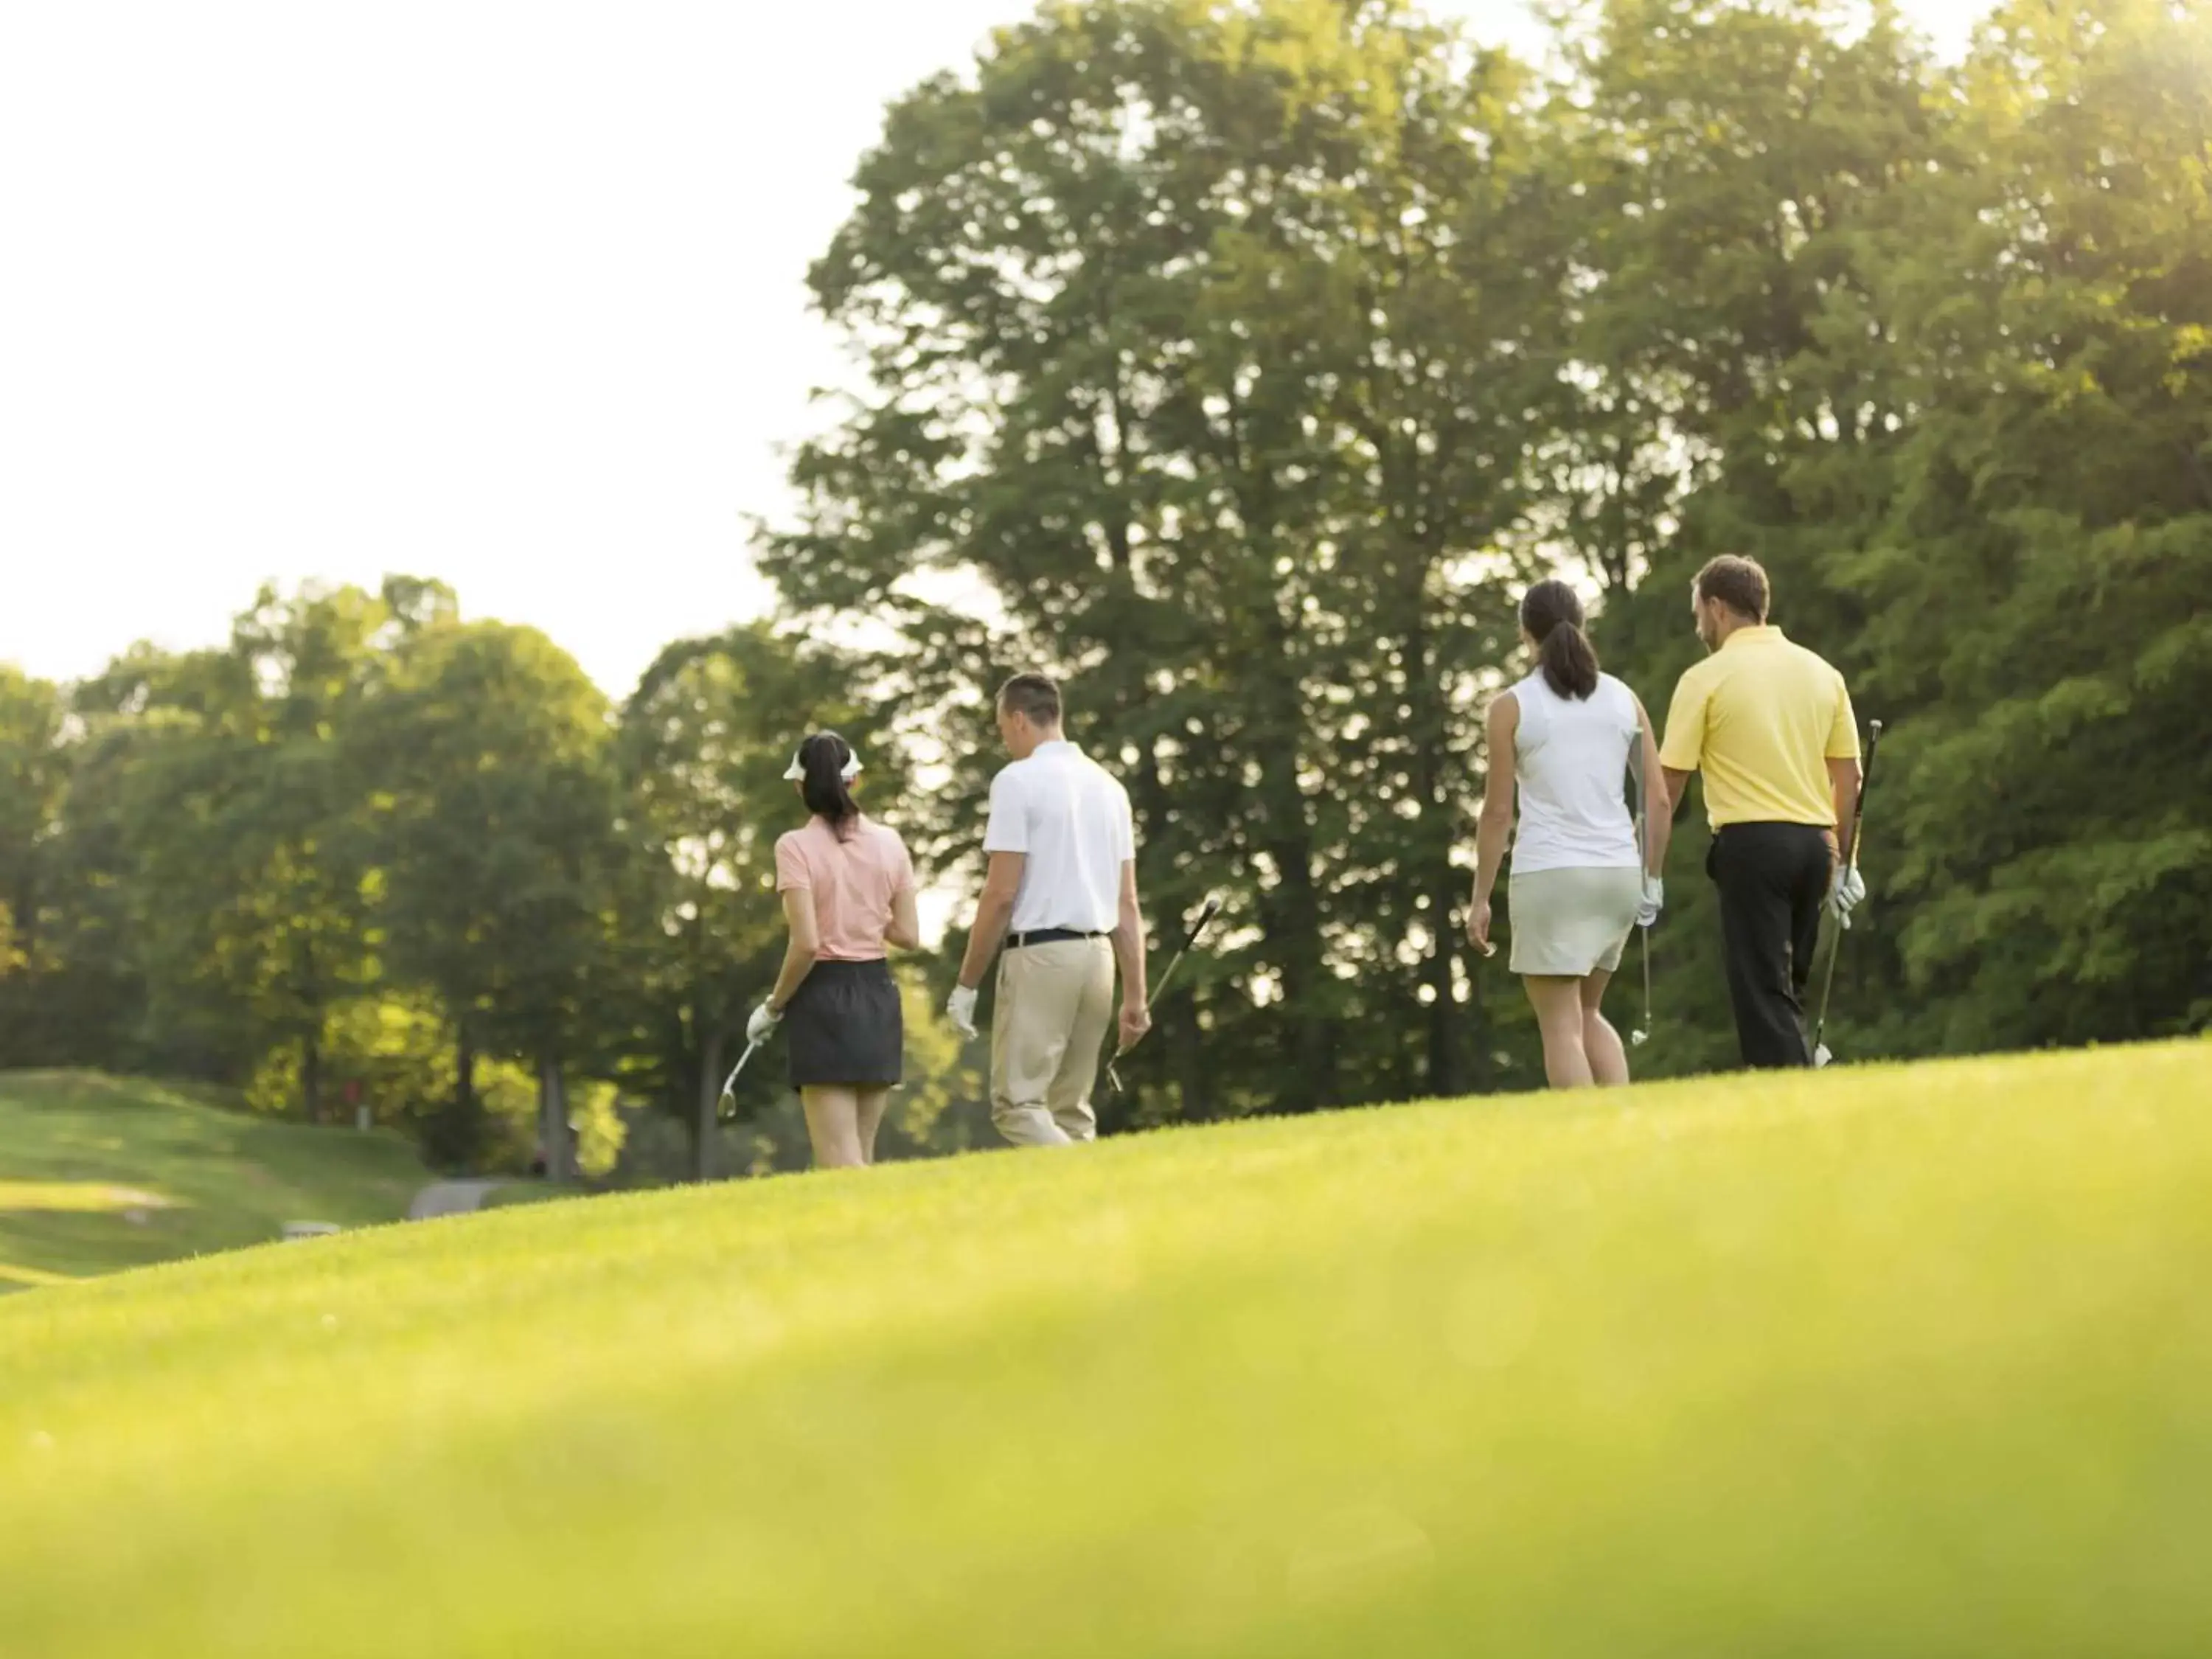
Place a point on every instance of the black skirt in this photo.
(845, 1029)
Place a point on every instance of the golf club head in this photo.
(1821, 1057)
(1639, 1037)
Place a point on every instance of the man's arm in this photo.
(1843, 792)
(1844, 772)
(1129, 957)
(1683, 750)
(994, 911)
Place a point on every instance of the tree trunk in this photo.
(461, 1138)
(710, 1095)
(1444, 1074)
(1293, 908)
(1187, 1046)
(311, 1076)
(1446, 1068)
(553, 1119)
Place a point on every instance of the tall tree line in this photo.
(1240, 362)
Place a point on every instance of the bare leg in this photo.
(1609, 1061)
(1558, 1004)
(869, 1119)
(833, 1124)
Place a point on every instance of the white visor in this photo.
(796, 772)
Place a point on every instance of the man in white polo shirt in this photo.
(1061, 895)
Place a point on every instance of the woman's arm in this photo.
(1502, 723)
(798, 955)
(905, 929)
(1658, 799)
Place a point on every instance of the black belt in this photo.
(1046, 936)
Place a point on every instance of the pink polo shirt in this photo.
(853, 880)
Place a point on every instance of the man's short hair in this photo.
(1034, 696)
(1738, 583)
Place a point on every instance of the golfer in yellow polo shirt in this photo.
(1769, 726)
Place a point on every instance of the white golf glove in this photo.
(1654, 901)
(960, 1009)
(764, 1020)
(1845, 894)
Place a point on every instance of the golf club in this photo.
(1821, 1056)
(727, 1107)
(1642, 1034)
(1205, 917)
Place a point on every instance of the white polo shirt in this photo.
(1070, 822)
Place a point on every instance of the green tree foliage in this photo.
(2038, 590)
(250, 833)
(1238, 361)
(34, 771)
(494, 807)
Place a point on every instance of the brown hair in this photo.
(1738, 583)
(1033, 696)
(822, 758)
(1553, 617)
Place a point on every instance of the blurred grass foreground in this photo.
(1890, 1360)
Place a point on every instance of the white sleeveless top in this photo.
(1570, 760)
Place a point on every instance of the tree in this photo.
(2038, 590)
(487, 749)
(35, 761)
(252, 830)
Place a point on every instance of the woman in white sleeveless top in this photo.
(1564, 737)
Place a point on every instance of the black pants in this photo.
(1773, 879)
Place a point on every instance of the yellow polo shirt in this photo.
(1762, 718)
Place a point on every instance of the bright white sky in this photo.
(506, 293)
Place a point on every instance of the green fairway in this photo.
(98, 1173)
(1866, 1362)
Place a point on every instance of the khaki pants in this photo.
(1055, 1005)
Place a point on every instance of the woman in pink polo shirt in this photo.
(848, 894)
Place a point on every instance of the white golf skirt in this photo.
(1572, 922)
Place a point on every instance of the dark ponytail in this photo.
(822, 757)
(1552, 616)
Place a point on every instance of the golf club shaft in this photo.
(1175, 961)
(1644, 873)
(1646, 931)
(730, 1082)
(1204, 919)
(1850, 861)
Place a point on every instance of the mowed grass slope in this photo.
(98, 1173)
(1870, 1362)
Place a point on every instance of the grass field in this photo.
(98, 1173)
(1889, 1361)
